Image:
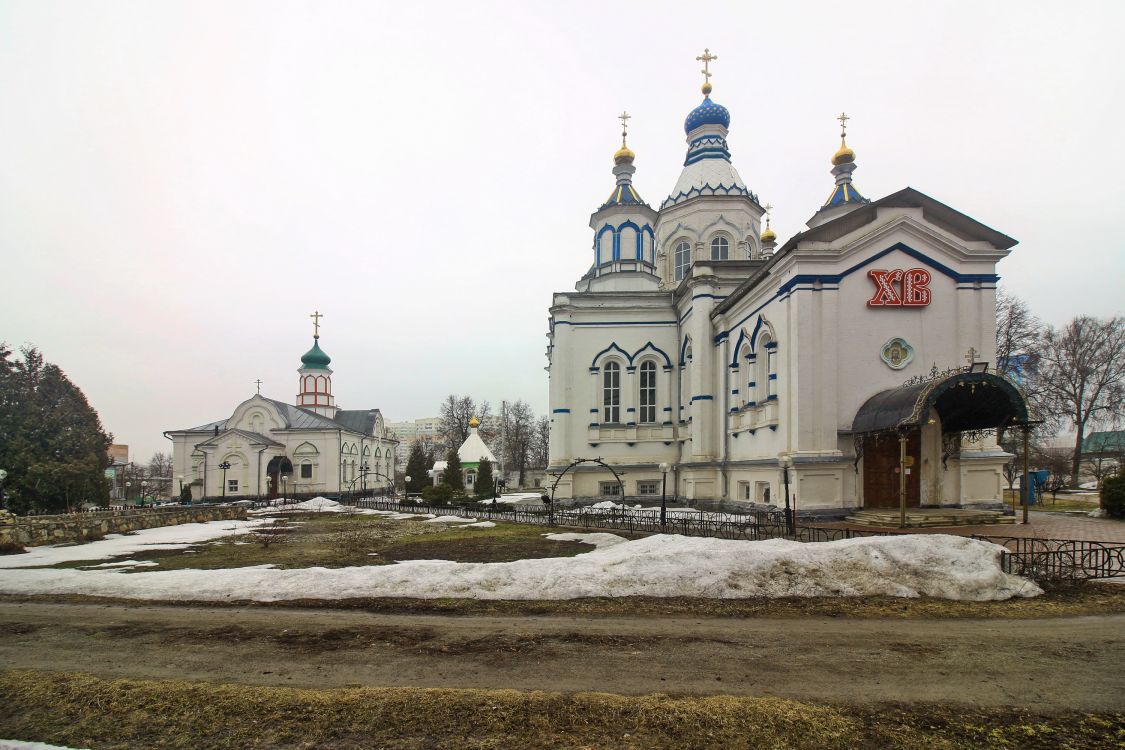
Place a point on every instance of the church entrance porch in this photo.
(937, 433)
(278, 469)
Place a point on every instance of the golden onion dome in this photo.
(844, 156)
(474, 422)
(769, 235)
(624, 155)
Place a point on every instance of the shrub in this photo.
(440, 494)
(1113, 496)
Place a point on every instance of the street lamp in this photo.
(144, 491)
(405, 486)
(284, 481)
(786, 463)
(181, 478)
(127, 486)
(363, 475)
(664, 467)
(224, 466)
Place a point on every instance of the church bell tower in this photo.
(314, 389)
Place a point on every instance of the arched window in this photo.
(611, 392)
(648, 393)
(764, 367)
(771, 372)
(748, 379)
(720, 248)
(682, 259)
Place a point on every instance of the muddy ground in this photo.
(1051, 664)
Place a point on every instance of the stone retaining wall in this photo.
(31, 531)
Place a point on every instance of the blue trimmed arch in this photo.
(611, 348)
(617, 239)
(683, 349)
(598, 242)
(654, 348)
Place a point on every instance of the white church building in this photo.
(696, 351)
(267, 448)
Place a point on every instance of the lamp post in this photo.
(224, 466)
(144, 491)
(363, 475)
(284, 481)
(786, 462)
(127, 486)
(664, 467)
(405, 486)
(181, 478)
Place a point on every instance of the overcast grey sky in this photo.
(181, 184)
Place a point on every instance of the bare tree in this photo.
(453, 418)
(540, 446)
(1017, 335)
(518, 431)
(1081, 376)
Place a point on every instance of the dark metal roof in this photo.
(358, 420)
(963, 400)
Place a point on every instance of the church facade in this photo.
(697, 355)
(267, 448)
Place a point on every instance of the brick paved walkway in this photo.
(1042, 525)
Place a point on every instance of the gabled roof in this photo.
(254, 438)
(954, 221)
(473, 450)
(357, 420)
(1104, 442)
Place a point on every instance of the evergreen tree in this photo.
(416, 468)
(452, 477)
(485, 487)
(51, 440)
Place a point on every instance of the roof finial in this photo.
(706, 59)
(845, 155)
(316, 316)
(258, 383)
(624, 154)
(768, 235)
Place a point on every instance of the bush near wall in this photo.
(1113, 496)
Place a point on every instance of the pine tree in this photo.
(416, 468)
(485, 487)
(452, 477)
(51, 440)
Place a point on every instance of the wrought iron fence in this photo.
(1041, 559)
(1060, 559)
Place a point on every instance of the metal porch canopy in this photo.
(964, 401)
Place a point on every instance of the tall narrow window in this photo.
(611, 392)
(720, 248)
(771, 372)
(682, 259)
(648, 393)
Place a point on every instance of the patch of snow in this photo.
(127, 564)
(450, 519)
(477, 525)
(21, 745)
(663, 565)
(598, 539)
(117, 545)
(1099, 513)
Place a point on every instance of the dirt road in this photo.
(1064, 663)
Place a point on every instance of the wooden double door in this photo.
(881, 467)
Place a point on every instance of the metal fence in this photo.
(1041, 559)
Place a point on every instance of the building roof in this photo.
(298, 418)
(254, 438)
(473, 450)
(1104, 442)
(358, 420)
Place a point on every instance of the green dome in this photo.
(315, 358)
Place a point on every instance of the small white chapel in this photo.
(267, 448)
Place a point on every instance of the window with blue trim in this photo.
(682, 259)
(720, 248)
(648, 393)
(611, 392)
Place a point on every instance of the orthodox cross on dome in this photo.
(769, 207)
(706, 59)
(843, 118)
(971, 355)
(316, 316)
(624, 117)
(258, 383)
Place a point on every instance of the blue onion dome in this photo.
(707, 113)
(315, 358)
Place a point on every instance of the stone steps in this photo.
(929, 517)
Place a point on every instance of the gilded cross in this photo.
(843, 118)
(258, 383)
(316, 316)
(971, 355)
(624, 117)
(769, 207)
(706, 59)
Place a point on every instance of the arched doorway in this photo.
(896, 428)
(278, 467)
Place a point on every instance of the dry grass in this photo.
(84, 711)
(1069, 600)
